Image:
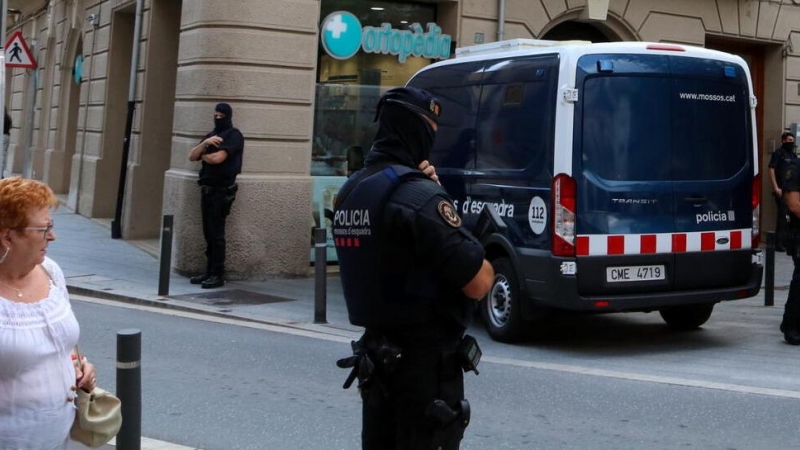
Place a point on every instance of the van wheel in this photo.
(687, 317)
(501, 310)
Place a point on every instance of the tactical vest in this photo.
(376, 297)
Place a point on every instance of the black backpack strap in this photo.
(396, 173)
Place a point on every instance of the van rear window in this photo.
(644, 128)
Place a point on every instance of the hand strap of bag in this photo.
(80, 357)
(80, 366)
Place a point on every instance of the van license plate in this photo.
(624, 274)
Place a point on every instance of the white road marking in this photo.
(730, 387)
(153, 444)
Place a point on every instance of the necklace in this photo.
(19, 293)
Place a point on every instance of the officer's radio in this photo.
(469, 353)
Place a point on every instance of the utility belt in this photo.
(228, 190)
(376, 354)
(375, 357)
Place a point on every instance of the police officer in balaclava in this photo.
(220, 154)
(411, 275)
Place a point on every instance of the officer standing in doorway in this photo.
(791, 194)
(412, 276)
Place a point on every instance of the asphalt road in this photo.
(608, 382)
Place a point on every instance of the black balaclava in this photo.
(404, 136)
(226, 122)
(788, 146)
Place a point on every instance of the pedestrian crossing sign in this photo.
(18, 54)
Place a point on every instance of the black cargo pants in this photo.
(215, 205)
(396, 412)
(791, 312)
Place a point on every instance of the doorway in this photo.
(151, 157)
(766, 69)
(59, 164)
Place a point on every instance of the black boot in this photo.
(790, 325)
(199, 279)
(792, 337)
(214, 281)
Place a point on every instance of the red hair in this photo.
(19, 197)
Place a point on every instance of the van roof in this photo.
(576, 49)
(513, 45)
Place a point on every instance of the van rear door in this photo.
(713, 173)
(664, 174)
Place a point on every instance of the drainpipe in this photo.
(116, 224)
(501, 21)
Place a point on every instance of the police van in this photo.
(625, 176)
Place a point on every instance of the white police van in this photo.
(625, 174)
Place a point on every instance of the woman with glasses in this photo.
(38, 331)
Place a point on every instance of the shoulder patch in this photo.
(449, 214)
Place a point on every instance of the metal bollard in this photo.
(129, 388)
(769, 270)
(166, 256)
(320, 270)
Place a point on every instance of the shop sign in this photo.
(342, 36)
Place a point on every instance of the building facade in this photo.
(304, 106)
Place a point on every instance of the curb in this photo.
(168, 303)
(161, 302)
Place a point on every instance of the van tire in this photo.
(501, 310)
(687, 317)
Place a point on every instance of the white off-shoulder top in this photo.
(36, 371)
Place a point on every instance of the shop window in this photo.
(348, 90)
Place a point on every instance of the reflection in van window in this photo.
(515, 127)
(454, 146)
(703, 137)
(626, 132)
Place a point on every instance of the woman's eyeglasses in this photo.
(45, 230)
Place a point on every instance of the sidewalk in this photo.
(98, 266)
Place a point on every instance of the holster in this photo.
(360, 363)
(372, 357)
(450, 423)
(230, 196)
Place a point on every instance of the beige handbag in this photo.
(99, 415)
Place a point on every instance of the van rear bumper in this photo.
(560, 291)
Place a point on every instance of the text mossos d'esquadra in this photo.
(352, 222)
(471, 206)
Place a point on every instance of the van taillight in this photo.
(563, 207)
(756, 204)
